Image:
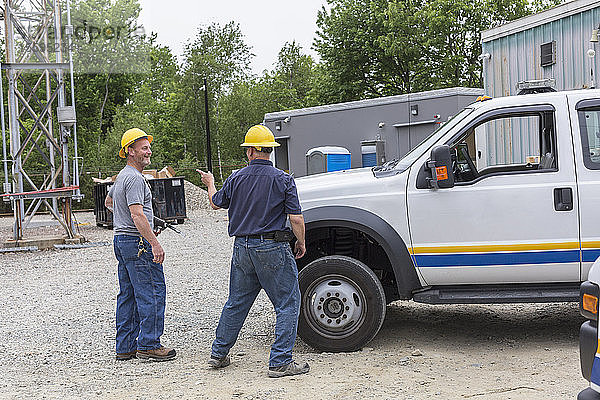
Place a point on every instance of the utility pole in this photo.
(208, 151)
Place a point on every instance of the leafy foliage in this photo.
(372, 48)
(219, 56)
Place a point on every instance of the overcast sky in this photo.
(266, 24)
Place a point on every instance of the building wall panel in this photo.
(515, 55)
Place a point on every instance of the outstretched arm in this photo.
(209, 180)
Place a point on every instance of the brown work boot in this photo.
(160, 354)
(126, 356)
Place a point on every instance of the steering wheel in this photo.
(456, 168)
(470, 163)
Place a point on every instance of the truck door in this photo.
(512, 215)
(585, 117)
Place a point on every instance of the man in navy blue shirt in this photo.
(259, 199)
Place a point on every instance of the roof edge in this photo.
(431, 94)
(531, 21)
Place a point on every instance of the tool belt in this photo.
(278, 236)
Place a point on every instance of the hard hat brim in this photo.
(264, 144)
(122, 153)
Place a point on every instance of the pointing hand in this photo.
(207, 177)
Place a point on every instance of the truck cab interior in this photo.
(505, 144)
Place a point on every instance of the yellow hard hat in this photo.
(131, 136)
(259, 136)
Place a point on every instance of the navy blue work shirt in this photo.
(258, 198)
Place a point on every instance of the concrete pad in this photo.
(42, 243)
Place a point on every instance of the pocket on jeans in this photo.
(271, 257)
(129, 249)
(235, 256)
(289, 251)
(142, 270)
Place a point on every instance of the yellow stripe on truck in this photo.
(500, 247)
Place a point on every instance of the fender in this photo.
(373, 225)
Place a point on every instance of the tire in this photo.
(343, 304)
(180, 221)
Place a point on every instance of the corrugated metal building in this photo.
(553, 44)
(552, 47)
(391, 125)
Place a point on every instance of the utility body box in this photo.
(458, 219)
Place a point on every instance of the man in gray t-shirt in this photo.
(130, 188)
(140, 312)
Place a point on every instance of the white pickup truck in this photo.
(499, 205)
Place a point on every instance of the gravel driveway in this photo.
(57, 336)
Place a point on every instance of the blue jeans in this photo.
(270, 265)
(140, 312)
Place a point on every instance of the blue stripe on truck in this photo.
(503, 258)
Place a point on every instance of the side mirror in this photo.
(437, 172)
(440, 165)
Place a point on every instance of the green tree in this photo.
(243, 106)
(219, 55)
(289, 85)
(351, 57)
(453, 35)
(291, 82)
(107, 38)
(372, 48)
(153, 106)
(110, 54)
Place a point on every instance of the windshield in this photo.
(416, 152)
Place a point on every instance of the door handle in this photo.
(563, 199)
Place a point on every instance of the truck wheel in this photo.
(343, 304)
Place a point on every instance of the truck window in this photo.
(503, 144)
(589, 127)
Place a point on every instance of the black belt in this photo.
(269, 235)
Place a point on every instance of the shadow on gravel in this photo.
(473, 325)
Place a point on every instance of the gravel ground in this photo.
(57, 336)
(196, 198)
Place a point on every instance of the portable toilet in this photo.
(327, 159)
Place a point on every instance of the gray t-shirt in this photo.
(130, 188)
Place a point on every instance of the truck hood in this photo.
(341, 187)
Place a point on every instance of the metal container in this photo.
(401, 121)
(168, 201)
(104, 216)
(168, 198)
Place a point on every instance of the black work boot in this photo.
(288, 370)
(217, 362)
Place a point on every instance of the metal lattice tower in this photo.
(41, 126)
